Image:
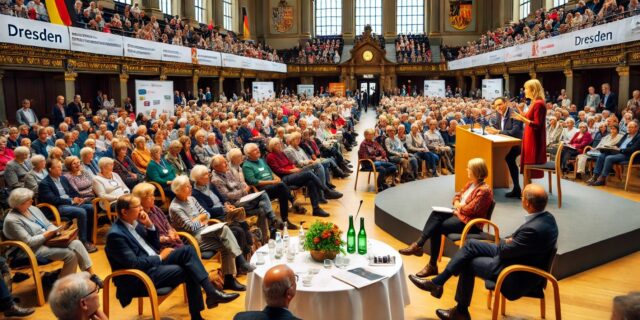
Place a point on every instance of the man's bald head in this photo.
(279, 286)
(534, 198)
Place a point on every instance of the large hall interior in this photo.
(319, 159)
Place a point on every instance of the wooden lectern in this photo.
(492, 148)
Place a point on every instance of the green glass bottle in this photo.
(362, 238)
(351, 237)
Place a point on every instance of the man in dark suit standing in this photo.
(510, 127)
(58, 113)
(133, 243)
(74, 108)
(609, 99)
(530, 245)
(279, 287)
(365, 100)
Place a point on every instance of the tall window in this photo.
(410, 16)
(525, 8)
(201, 11)
(328, 17)
(557, 3)
(369, 12)
(165, 6)
(227, 16)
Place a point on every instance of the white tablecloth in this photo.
(329, 298)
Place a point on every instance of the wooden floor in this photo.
(587, 295)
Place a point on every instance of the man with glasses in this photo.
(76, 296)
(510, 127)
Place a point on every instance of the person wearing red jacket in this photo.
(534, 139)
(472, 202)
(580, 140)
(372, 150)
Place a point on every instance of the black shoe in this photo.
(292, 226)
(97, 280)
(230, 283)
(452, 314)
(18, 312)
(323, 201)
(331, 195)
(318, 212)
(90, 247)
(299, 209)
(598, 183)
(331, 186)
(427, 285)
(220, 297)
(515, 194)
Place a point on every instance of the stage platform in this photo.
(595, 227)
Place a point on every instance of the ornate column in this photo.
(188, 9)
(124, 78)
(474, 82)
(623, 82)
(218, 13)
(70, 76)
(194, 81)
(242, 81)
(389, 17)
(163, 75)
(434, 18)
(152, 8)
(568, 86)
(348, 22)
(305, 18)
(3, 103)
(509, 85)
(220, 84)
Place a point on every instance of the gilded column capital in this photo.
(568, 73)
(623, 71)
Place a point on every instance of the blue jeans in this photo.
(605, 163)
(5, 296)
(84, 214)
(431, 159)
(384, 169)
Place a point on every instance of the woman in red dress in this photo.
(535, 134)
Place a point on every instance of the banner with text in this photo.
(262, 90)
(33, 33)
(209, 58)
(338, 89)
(491, 88)
(434, 88)
(156, 95)
(175, 53)
(138, 48)
(90, 41)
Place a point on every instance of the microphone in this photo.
(359, 207)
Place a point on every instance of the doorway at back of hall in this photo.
(370, 86)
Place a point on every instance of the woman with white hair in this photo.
(186, 214)
(202, 151)
(108, 184)
(27, 223)
(160, 171)
(17, 169)
(174, 159)
(35, 175)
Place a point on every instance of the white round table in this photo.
(330, 298)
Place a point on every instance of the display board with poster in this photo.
(337, 89)
(491, 89)
(434, 88)
(262, 90)
(151, 94)
(306, 89)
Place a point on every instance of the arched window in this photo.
(410, 17)
(328, 17)
(525, 8)
(369, 12)
(165, 6)
(227, 14)
(201, 10)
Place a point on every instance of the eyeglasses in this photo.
(96, 290)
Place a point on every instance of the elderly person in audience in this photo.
(202, 151)
(372, 150)
(609, 141)
(160, 171)
(169, 237)
(27, 223)
(124, 166)
(575, 146)
(416, 145)
(89, 162)
(436, 143)
(6, 154)
(279, 288)
(187, 156)
(627, 145)
(77, 296)
(18, 168)
(56, 190)
(186, 214)
(474, 201)
(79, 178)
(36, 174)
(554, 133)
(107, 184)
(174, 159)
(209, 198)
(398, 154)
(141, 154)
(300, 159)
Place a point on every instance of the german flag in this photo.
(58, 12)
(245, 23)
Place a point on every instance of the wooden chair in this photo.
(551, 167)
(156, 295)
(631, 164)
(161, 197)
(575, 161)
(53, 210)
(98, 204)
(371, 169)
(459, 238)
(500, 301)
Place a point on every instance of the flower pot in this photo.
(321, 255)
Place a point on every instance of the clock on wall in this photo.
(367, 55)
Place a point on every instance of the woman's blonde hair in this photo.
(478, 168)
(535, 88)
(144, 189)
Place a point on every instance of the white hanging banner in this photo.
(231, 61)
(143, 49)
(154, 95)
(175, 53)
(434, 88)
(491, 88)
(90, 41)
(209, 58)
(33, 33)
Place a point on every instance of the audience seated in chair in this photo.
(629, 144)
(372, 150)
